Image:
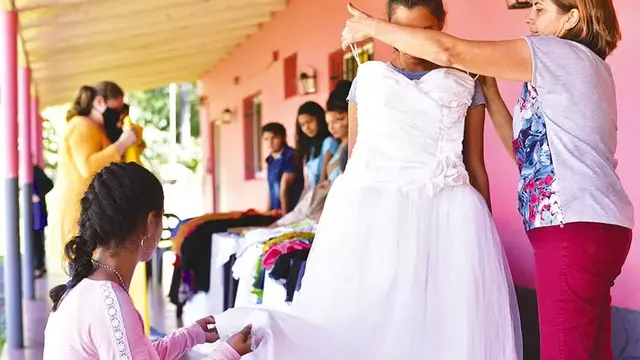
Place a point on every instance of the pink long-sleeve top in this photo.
(97, 320)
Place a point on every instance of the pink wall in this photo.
(312, 29)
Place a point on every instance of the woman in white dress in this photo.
(406, 263)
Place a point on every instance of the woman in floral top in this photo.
(563, 136)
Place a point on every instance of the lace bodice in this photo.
(411, 132)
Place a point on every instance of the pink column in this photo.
(26, 181)
(207, 129)
(8, 95)
(37, 149)
(24, 129)
(9, 172)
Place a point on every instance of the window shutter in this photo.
(249, 145)
(291, 76)
(335, 68)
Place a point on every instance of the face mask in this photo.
(110, 118)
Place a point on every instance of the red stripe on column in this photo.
(9, 92)
(24, 112)
(36, 133)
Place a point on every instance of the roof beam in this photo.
(54, 71)
(6, 5)
(145, 37)
(62, 95)
(69, 60)
(30, 5)
(119, 73)
(138, 25)
(91, 13)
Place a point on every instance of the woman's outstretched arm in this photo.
(510, 59)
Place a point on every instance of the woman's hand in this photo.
(488, 83)
(242, 340)
(126, 140)
(358, 28)
(210, 334)
(128, 137)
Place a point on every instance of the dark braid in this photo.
(435, 7)
(113, 209)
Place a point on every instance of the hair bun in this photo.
(338, 98)
(343, 86)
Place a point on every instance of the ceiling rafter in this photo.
(122, 28)
(150, 38)
(63, 61)
(142, 44)
(87, 14)
(120, 70)
(142, 82)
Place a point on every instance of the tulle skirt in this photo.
(395, 273)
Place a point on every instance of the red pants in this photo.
(576, 266)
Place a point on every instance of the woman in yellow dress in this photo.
(84, 150)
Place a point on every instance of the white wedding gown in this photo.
(407, 263)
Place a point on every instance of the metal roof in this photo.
(140, 44)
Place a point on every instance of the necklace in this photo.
(97, 263)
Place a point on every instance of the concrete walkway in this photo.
(163, 314)
(35, 319)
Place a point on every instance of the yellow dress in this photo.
(134, 153)
(84, 150)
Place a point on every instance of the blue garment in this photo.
(276, 167)
(175, 230)
(339, 157)
(42, 185)
(39, 211)
(478, 95)
(314, 164)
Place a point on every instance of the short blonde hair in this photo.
(598, 27)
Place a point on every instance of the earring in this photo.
(144, 237)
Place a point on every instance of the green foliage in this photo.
(154, 105)
(50, 147)
(150, 109)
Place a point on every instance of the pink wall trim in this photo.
(315, 37)
(9, 92)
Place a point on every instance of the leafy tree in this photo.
(149, 109)
(50, 147)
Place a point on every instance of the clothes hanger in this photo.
(355, 52)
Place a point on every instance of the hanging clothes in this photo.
(288, 271)
(187, 227)
(195, 250)
(276, 247)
